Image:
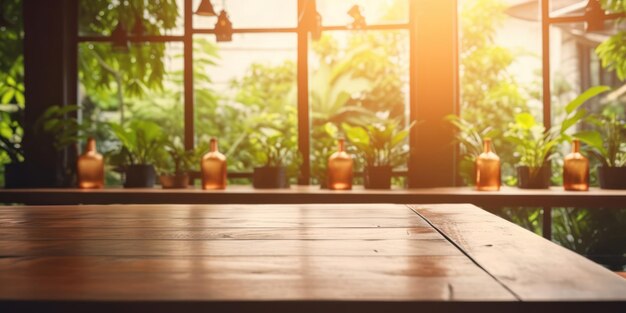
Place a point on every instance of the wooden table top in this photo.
(331, 257)
(508, 196)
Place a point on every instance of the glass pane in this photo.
(11, 84)
(335, 12)
(576, 67)
(144, 84)
(566, 8)
(500, 76)
(245, 95)
(560, 8)
(356, 78)
(100, 17)
(252, 13)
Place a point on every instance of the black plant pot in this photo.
(612, 177)
(533, 178)
(140, 176)
(377, 177)
(269, 177)
(16, 175)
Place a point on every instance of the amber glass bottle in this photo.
(487, 169)
(576, 169)
(213, 167)
(90, 167)
(340, 169)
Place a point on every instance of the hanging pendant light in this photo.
(595, 16)
(138, 28)
(311, 20)
(4, 23)
(223, 28)
(119, 38)
(358, 18)
(316, 31)
(205, 9)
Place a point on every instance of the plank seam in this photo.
(449, 239)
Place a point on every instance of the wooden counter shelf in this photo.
(554, 197)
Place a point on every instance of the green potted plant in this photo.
(278, 153)
(535, 146)
(382, 146)
(61, 123)
(609, 147)
(141, 147)
(470, 138)
(174, 170)
(11, 144)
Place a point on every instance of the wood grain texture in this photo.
(533, 268)
(190, 224)
(245, 278)
(65, 233)
(212, 254)
(238, 252)
(555, 197)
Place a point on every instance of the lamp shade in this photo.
(119, 38)
(206, 8)
(223, 28)
(358, 18)
(594, 14)
(3, 20)
(316, 31)
(138, 28)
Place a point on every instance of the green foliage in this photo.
(11, 133)
(179, 160)
(11, 83)
(612, 51)
(108, 75)
(61, 123)
(265, 103)
(141, 143)
(609, 142)
(277, 146)
(380, 144)
(470, 139)
(534, 144)
(490, 94)
(351, 84)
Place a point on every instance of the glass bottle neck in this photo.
(341, 145)
(213, 144)
(487, 145)
(91, 145)
(576, 146)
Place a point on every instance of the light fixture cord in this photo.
(301, 16)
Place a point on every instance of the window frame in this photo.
(303, 107)
(546, 22)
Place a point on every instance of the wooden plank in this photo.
(554, 197)
(225, 247)
(533, 268)
(89, 233)
(243, 278)
(208, 211)
(236, 222)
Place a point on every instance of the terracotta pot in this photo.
(179, 181)
(269, 177)
(612, 177)
(533, 178)
(140, 176)
(377, 177)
